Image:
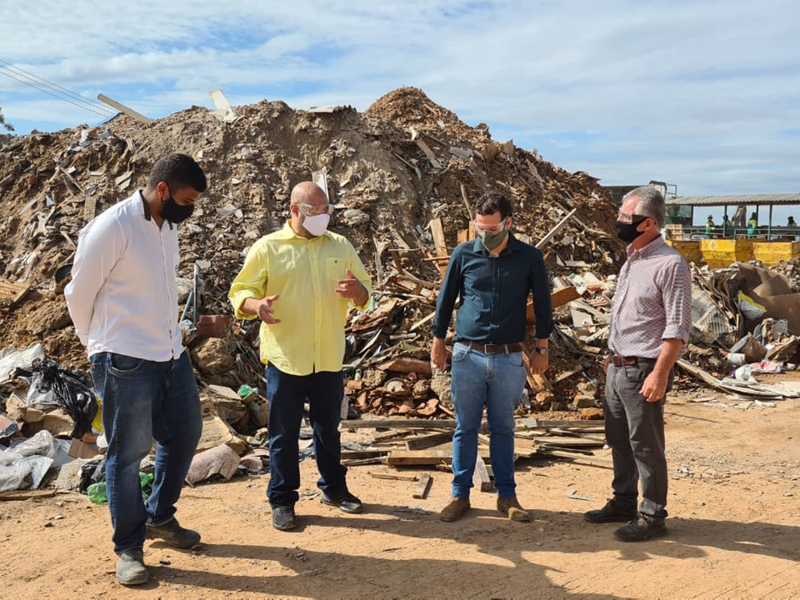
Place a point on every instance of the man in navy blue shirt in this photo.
(494, 276)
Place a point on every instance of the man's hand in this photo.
(438, 354)
(352, 288)
(264, 310)
(539, 363)
(655, 386)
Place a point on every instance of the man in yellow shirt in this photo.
(300, 281)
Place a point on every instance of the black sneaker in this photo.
(283, 518)
(173, 534)
(610, 513)
(346, 502)
(643, 527)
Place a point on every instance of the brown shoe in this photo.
(511, 507)
(455, 510)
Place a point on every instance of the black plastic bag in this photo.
(73, 391)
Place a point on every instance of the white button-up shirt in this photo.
(123, 296)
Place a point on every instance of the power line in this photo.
(50, 93)
(59, 89)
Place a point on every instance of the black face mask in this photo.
(627, 231)
(174, 212)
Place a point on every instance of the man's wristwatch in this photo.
(543, 351)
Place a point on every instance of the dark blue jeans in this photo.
(143, 400)
(287, 394)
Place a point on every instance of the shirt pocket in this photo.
(335, 269)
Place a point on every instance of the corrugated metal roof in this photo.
(753, 199)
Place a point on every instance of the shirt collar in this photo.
(143, 208)
(647, 250)
(514, 245)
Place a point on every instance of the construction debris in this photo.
(402, 178)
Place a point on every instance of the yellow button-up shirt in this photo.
(305, 272)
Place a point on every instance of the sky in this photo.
(702, 94)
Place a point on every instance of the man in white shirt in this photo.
(123, 301)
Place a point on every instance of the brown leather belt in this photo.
(628, 361)
(493, 348)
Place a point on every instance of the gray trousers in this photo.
(635, 432)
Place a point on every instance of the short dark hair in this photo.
(492, 202)
(178, 171)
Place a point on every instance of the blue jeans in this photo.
(287, 394)
(496, 381)
(143, 400)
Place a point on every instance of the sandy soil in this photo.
(735, 532)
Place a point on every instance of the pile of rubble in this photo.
(403, 177)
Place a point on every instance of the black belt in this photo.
(493, 348)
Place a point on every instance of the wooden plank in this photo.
(578, 458)
(533, 423)
(20, 495)
(397, 262)
(437, 229)
(538, 383)
(394, 476)
(426, 150)
(587, 436)
(355, 454)
(567, 375)
(564, 295)
(429, 441)
(401, 424)
(124, 109)
(422, 322)
(563, 440)
(421, 491)
(424, 457)
(12, 292)
(720, 385)
(559, 297)
(466, 204)
(407, 365)
(480, 476)
(357, 462)
(89, 207)
(546, 239)
(462, 236)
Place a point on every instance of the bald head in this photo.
(308, 192)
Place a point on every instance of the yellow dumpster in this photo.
(720, 254)
(689, 249)
(771, 253)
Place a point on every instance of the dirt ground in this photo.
(734, 532)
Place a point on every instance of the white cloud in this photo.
(691, 91)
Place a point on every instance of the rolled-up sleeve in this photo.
(251, 282)
(677, 297)
(542, 303)
(100, 245)
(448, 294)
